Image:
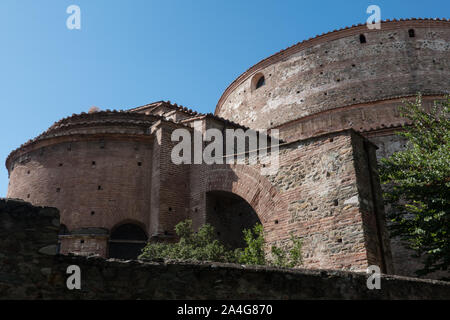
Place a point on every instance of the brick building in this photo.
(334, 100)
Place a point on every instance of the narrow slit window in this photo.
(362, 38)
(260, 82)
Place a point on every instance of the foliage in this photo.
(202, 246)
(418, 182)
(199, 246)
(254, 252)
(288, 258)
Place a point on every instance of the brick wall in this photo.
(172, 186)
(95, 168)
(99, 183)
(94, 182)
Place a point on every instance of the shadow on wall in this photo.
(229, 214)
(126, 241)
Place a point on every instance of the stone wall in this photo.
(28, 242)
(30, 270)
(321, 193)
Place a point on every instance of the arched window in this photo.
(362, 38)
(260, 82)
(411, 33)
(127, 241)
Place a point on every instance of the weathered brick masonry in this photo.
(333, 98)
(316, 193)
(349, 78)
(30, 270)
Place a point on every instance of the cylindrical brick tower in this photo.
(95, 168)
(354, 77)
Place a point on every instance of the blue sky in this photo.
(129, 53)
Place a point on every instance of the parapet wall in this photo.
(30, 270)
(28, 241)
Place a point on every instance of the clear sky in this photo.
(130, 53)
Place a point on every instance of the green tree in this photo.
(418, 184)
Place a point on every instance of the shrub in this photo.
(288, 258)
(203, 246)
(199, 246)
(253, 253)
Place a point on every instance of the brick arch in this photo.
(130, 246)
(129, 221)
(250, 185)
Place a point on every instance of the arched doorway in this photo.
(229, 214)
(127, 241)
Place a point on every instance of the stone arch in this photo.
(126, 240)
(129, 221)
(247, 183)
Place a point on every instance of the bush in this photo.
(288, 258)
(203, 246)
(254, 252)
(200, 246)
